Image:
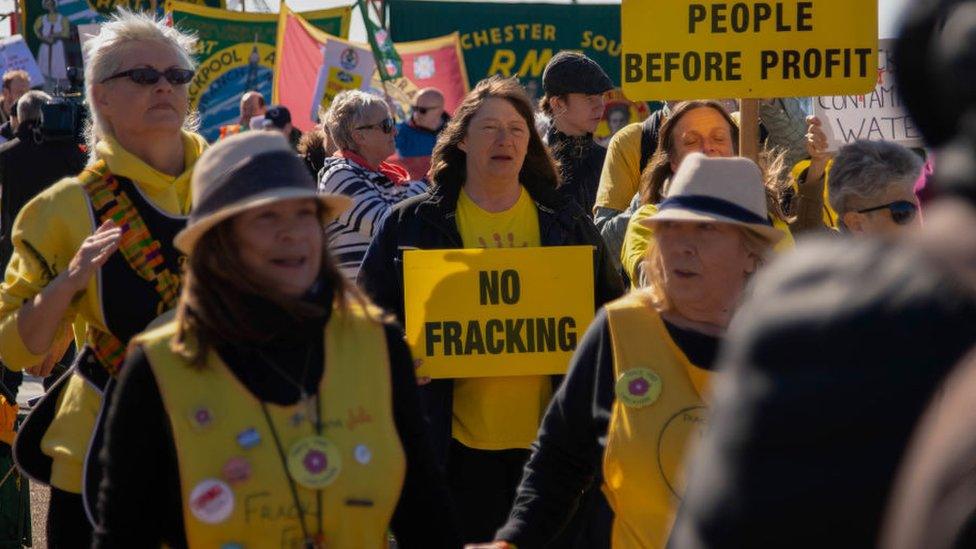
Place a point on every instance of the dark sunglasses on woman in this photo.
(147, 76)
(386, 125)
(902, 211)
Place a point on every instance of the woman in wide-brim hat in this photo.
(637, 387)
(276, 409)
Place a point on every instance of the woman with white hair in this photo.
(363, 128)
(872, 187)
(132, 199)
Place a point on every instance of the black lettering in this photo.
(696, 14)
(862, 54)
(718, 16)
(781, 25)
(762, 13)
(473, 342)
(812, 63)
(833, 60)
(791, 60)
(804, 16)
(733, 66)
(513, 335)
(769, 59)
(670, 64)
(546, 334)
(633, 71)
(452, 338)
(511, 287)
(495, 347)
(653, 67)
(530, 336)
(740, 17)
(488, 285)
(567, 334)
(713, 66)
(691, 67)
(431, 336)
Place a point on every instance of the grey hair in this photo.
(347, 111)
(104, 57)
(29, 106)
(866, 169)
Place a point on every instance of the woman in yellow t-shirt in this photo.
(638, 387)
(98, 248)
(494, 186)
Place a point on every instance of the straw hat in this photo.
(721, 190)
(245, 171)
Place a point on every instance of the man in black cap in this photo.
(575, 88)
(278, 118)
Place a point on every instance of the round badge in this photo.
(237, 469)
(639, 387)
(314, 462)
(212, 501)
(201, 417)
(363, 454)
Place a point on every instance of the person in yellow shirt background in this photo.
(98, 247)
(493, 186)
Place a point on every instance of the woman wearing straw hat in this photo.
(276, 409)
(637, 388)
(98, 248)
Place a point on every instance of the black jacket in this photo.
(580, 164)
(428, 222)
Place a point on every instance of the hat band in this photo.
(256, 175)
(717, 206)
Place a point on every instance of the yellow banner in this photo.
(681, 49)
(497, 312)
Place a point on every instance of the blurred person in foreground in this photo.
(872, 187)
(278, 409)
(637, 390)
(830, 364)
(98, 247)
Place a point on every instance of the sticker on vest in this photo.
(639, 387)
(248, 438)
(201, 417)
(212, 501)
(678, 436)
(314, 462)
(363, 454)
(237, 469)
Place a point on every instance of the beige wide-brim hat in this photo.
(246, 171)
(719, 190)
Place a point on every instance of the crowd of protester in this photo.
(768, 336)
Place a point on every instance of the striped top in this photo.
(373, 195)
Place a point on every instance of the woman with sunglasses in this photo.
(361, 125)
(872, 187)
(97, 248)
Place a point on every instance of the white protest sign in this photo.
(14, 55)
(877, 116)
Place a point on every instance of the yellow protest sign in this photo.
(681, 49)
(497, 312)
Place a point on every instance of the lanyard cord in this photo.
(291, 481)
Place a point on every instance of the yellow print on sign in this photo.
(497, 311)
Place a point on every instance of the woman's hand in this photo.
(816, 143)
(94, 252)
(45, 368)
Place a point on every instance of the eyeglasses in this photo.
(386, 125)
(424, 110)
(147, 76)
(902, 211)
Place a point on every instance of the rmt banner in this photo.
(681, 49)
(497, 312)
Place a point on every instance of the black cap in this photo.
(573, 72)
(278, 115)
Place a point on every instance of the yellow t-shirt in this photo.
(499, 413)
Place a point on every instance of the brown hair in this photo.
(448, 161)
(10, 76)
(219, 293)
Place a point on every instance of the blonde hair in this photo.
(104, 54)
(655, 292)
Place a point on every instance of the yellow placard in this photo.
(497, 312)
(692, 49)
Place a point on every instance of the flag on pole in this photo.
(312, 67)
(437, 63)
(387, 59)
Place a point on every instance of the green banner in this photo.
(514, 39)
(51, 27)
(236, 54)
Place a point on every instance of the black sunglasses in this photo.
(423, 110)
(386, 125)
(902, 211)
(147, 76)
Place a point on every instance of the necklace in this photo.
(305, 399)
